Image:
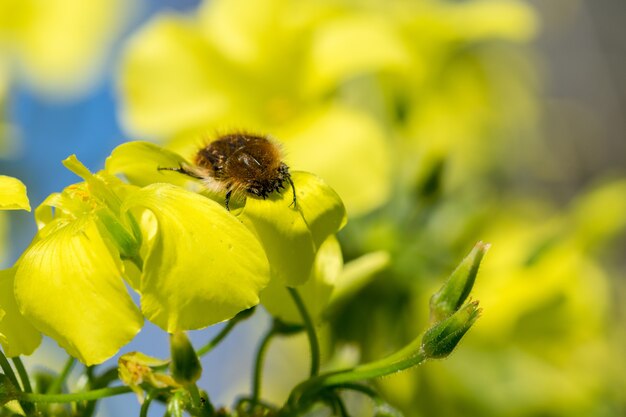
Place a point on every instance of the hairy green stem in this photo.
(345, 378)
(310, 330)
(74, 397)
(57, 385)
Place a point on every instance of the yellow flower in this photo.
(60, 45)
(17, 335)
(199, 265)
(341, 82)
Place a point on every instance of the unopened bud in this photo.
(185, 365)
(441, 339)
(455, 291)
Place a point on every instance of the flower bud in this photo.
(185, 365)
(453, 293)
(441, 339)
(135, 369)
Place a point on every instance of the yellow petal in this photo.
(373, 44)
(62, 43)
(13, 194)
(138, 162)
(315, 292)
(349, 150)
(69, 285)
(203, 266)
(17, 335)
(171, 80)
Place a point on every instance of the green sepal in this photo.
(185, 366)
(107, 191)
(456, 289)
(177, 403)
(441, 339)
(111, 226)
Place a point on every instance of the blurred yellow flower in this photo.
(60, 46)
(328, 78)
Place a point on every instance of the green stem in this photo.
(218, 338)
(8, 371)
(309, 388)
(258, 365)
(203, 406)
(242, 315)
(310, 330)
(146, 404)
(22, 373)
(57, 384)
(74, 397)
(343, 411)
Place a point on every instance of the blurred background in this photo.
(439, 122)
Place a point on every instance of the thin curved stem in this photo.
(218, 338)
(74, 397)
(22, 373)
(258, 365)
(57, 385)
(242, 315)
(146, 404)
(8, 370)
(310, 330)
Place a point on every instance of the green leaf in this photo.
(8, 392)
(202, 265)
(17, 334)
(13, 194)
(69, 286)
